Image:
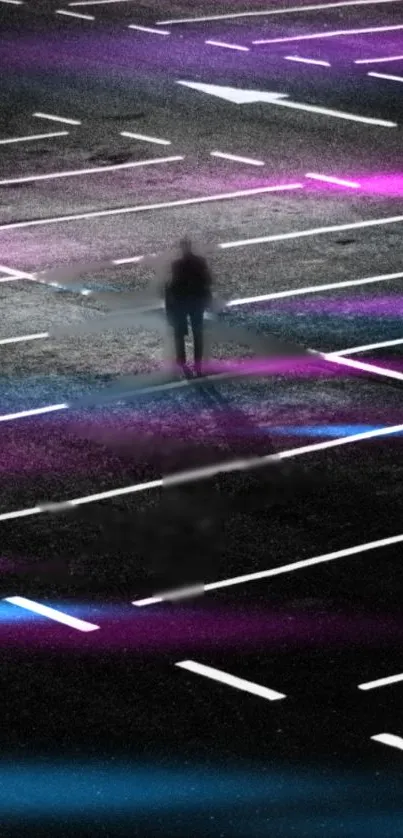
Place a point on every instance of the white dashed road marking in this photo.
(230, 680)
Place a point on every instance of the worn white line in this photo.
(74, 14)
(385, 76)
(365, 120)
(335, 34)
(336, 180)
(35, 411)
(148, 29)
(382, 60)
(227, 46)
(277, 295)
(51, 613)
(210, 471)
(373, 369)
(144, 138)
(306, 60)
(288, 568)
(23, 338)
(93, 171)
(316, 231)
(54, 118)
(13, 273)
(34, 137)
(107, 2)
(236, 158)
(381, 682)
(267, 12)
(368, 346)
(129, 260)
(257, 462)
(230, 680)
(389, 739)
(243, 193)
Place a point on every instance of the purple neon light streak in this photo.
(332, 180)
(142, 631)
(388, 184)
(314, 366)
(137, 434)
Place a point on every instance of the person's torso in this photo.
(189, 280)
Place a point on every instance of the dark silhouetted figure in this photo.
(187, 296)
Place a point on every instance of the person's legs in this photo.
(177, 318)
(196, 319)
(179, 338)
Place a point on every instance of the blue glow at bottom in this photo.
(109, 789)
(85, 788)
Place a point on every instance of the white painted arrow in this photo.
(241, 97)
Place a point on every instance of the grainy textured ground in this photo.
(114, 696)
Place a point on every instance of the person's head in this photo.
(185, 245)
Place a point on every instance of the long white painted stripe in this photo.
(389, 739)
(332, 357)
(306, 60)
(23, 338)
(93, 171)
(322, 446)
(381, 682)
(13, 2)
(51, 613)
(382, 60)
(148, 29)
(23, 513)
(34, 137)
(316, 231)
(227, 46)
(129, 260)
(265, 13)
(15, 274)
(336, 34)
(106, 2)
(243, 193)
(288, 568)
(74, 14)
(364, 367)
(230, 680)
(367, 347)
(366, 120)
(257, 462)
(209, 471)
(336, 180)
(385, 76)
(236, 158)
(115, 493)
(54, 118)
(314, 289)
(277, 295)
(144, 138)
(36, 411)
